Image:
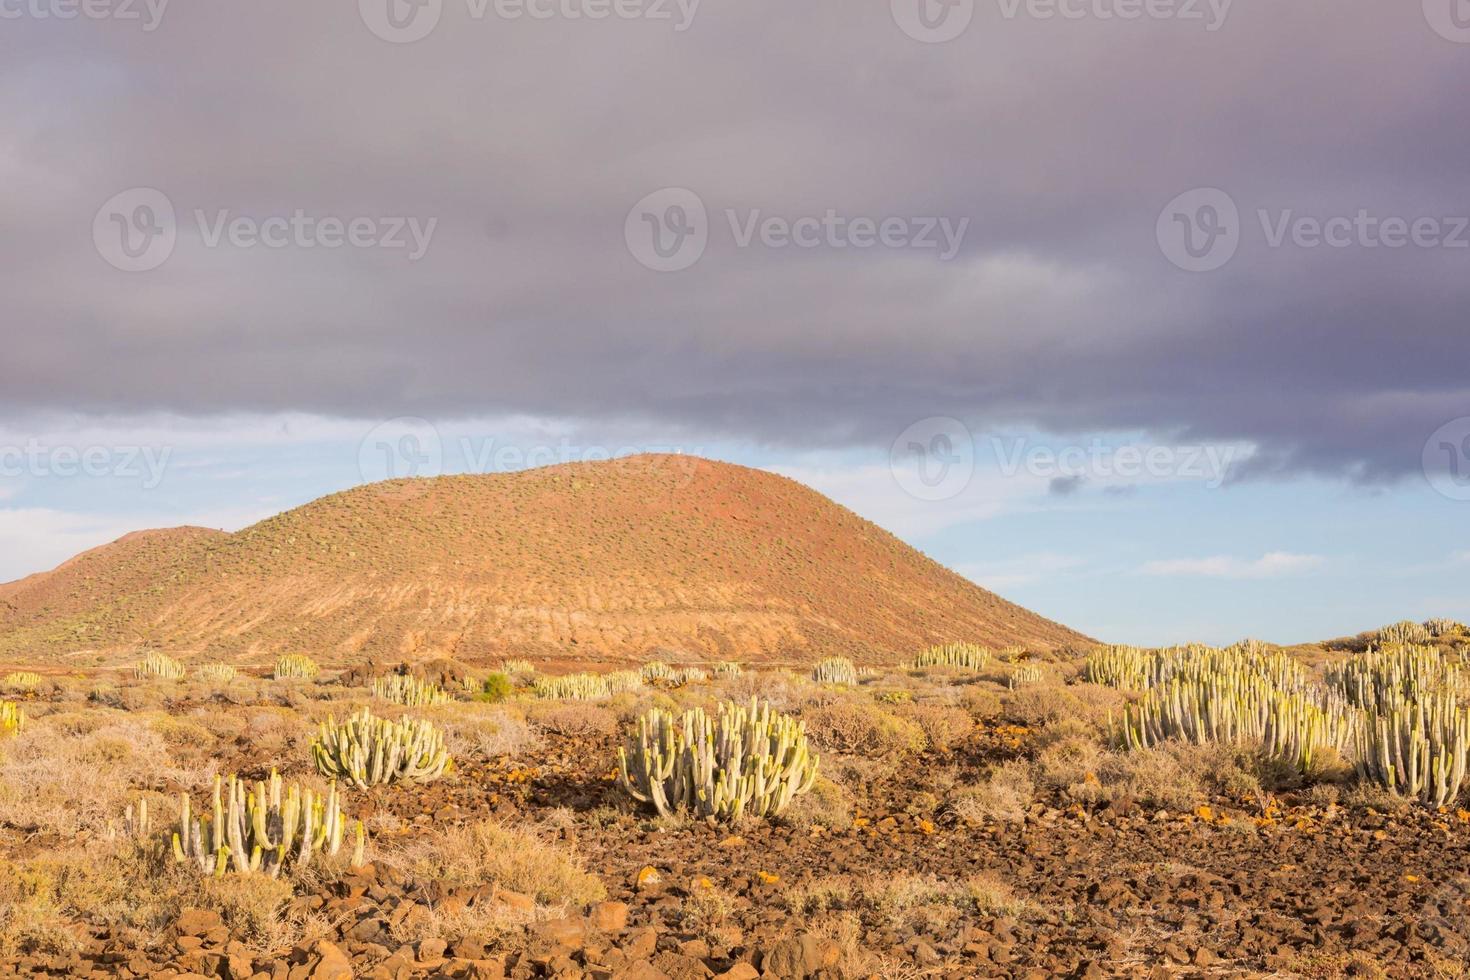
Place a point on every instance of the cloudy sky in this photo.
(1150, 315)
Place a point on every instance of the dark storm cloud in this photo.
(529, 141)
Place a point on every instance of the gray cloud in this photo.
(529, 141)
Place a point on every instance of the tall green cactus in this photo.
(836, 670)
(21, 680)
(408, 691)
(745, 762)
(259, 831)
(728, 668)
(12, 719)
(295, 665)
(368, 751)
(966, 656)
(158, 665)
(1417, 750)
(655, 671)
(215, 673)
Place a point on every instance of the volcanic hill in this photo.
(611, 561)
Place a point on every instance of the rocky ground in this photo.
(905, 885)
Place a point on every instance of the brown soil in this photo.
(600, 561)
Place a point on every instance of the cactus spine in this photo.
(260, 830)
(367, 751)
(747, 761)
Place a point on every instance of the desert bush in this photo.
(980, 701)
(828, 805)
(489, 853)
(40, 790)
(905, 900)
(1036, 705)
(495, 688)
(865, 729)
(215, 673)
(485, 730)
(367, 751)
(295, 665)
(574, 720)
(1003, 796)
(158, 665)
(746, 761)
(943, 725)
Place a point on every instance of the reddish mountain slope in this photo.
(604, 561)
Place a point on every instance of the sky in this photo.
(1149, 316)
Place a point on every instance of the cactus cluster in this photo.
(1418, 749)
(515, 666)
(1383, 680)
(1406, 631)
(1239, 694)
(259, 831)
(572, 687)
(1023, 675)
(690, 675)
(620, 681)
(967, 656)
(835, 670)
(728, 668)
(12, 719)
(22, 680)
(409, 691)
(294, 665)
(1444, 627)
(657, 670)
(368, 751)
(215, 673)
(746, 761)
(158, 665)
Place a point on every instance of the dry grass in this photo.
(489, 853)
(901, 901)
(1003, 797)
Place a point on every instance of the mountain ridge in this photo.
(607, 561)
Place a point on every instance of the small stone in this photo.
(609, 916)
(331, 964)
(197, 922)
